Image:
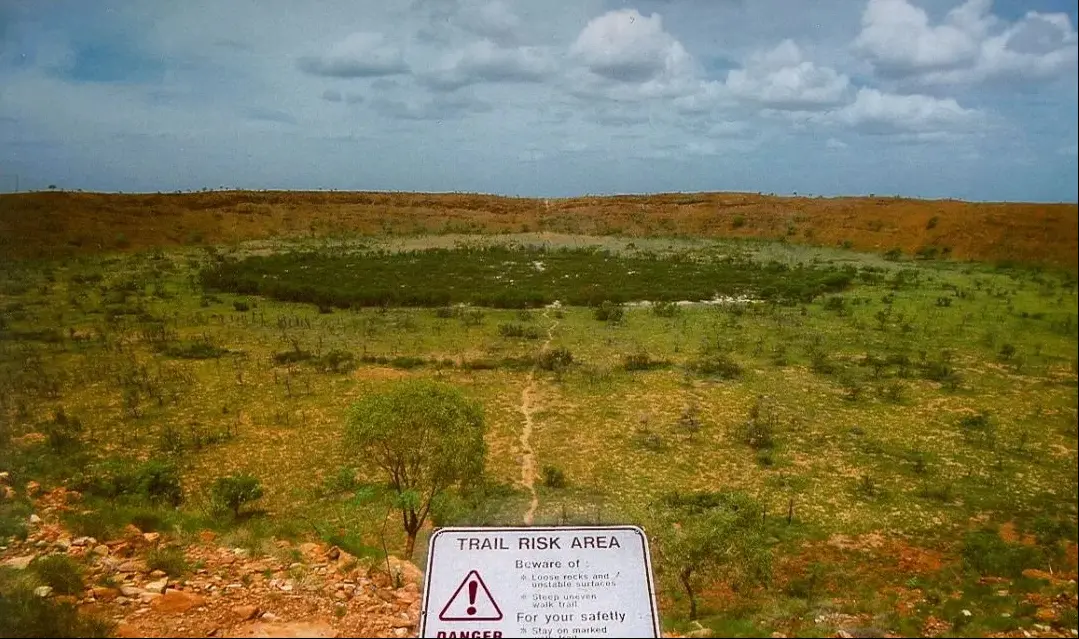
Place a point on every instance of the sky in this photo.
(551, 98)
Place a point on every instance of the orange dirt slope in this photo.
(57, 223)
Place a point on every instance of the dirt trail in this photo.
(528, 458)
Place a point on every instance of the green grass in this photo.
(882, 380)
(22, 614)
(59, 572)
(169, 560)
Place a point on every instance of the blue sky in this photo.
(925, 98)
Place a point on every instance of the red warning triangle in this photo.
(472, 601)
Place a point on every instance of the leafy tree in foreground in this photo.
(233, 491)
(709, 536)
(426, 437)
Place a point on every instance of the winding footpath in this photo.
(528, 457)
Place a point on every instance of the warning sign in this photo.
(539, 582)
(471, 602)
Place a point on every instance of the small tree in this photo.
(234, 491)
(426, 437)
(710, 535)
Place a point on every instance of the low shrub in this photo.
(194, 350)
(59, 572)
(987, 554)
(512, 330)
(641, 362)
(609, 312)
(24, 614)
(555, 359)
(293, 356)
(760, 430)
(233, 491)
(171, 561)
(336, 361)
(553, 477)
(718, 365)
(665, 309)
(154, 481)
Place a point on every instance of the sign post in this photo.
(591, 581)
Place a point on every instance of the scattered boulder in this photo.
(84, 541)
(131, 591)
(42, 591)
(34, 519)
(246, 613)
(151, 537)
(132, 565)
(157, 586)
(102, 593)
(407, 570)
(176, 602)
(19, 563)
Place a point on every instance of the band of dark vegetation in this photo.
(502, 277)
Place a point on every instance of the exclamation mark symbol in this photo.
(472, 597)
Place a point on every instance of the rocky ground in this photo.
(294, 590)
(289, 590)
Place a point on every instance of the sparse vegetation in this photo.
(878, 422)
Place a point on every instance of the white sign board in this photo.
(593, 581)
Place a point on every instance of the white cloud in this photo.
(969, 45)
(625, 46)
(897, 36)
(876, 112)
(833, 143)
(782, 78)
(485, 61)
(360, 55)
(493, 21)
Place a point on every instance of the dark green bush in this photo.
(718, 365)
(407, 362)
(293, 356)
(760, 430)
(60, 572)
(194, 350)
(987, 554)
(553, 477)
(233, 491)
(609, 311)
(63, 432)
(154, 481)
(23, 614)
(170, 560)
(336, 361)
(555, 359)
(518, 331)
(641, 362)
